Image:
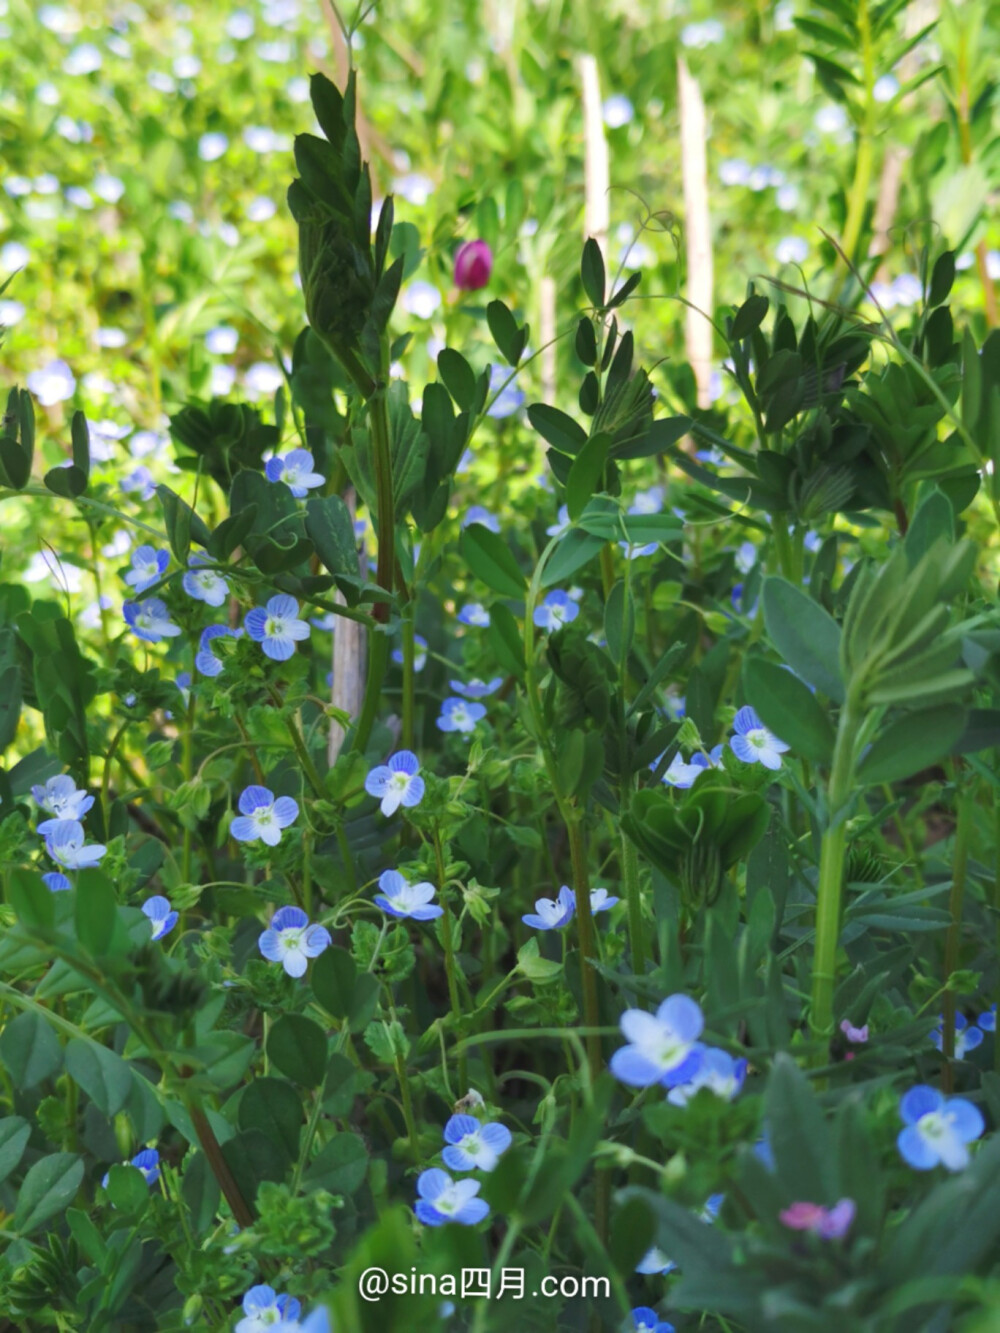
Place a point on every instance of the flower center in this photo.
(399, 781)
(933, 1126)
(274, 627)
(758, 739)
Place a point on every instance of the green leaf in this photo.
(458, 377)
(253, 1158)
(807, 637)
(29, 1050)
(296, 1047)
(102, 1074)
(915, 741)
(127, 1188)
(96, 910)
(505, 640)
(574, 550)
(491, 560)
(14, 1136)
(331, 531)
(592, 272)
(586, 341)
(619, 622)
(749, 317)
(798, 1133)
(586, 474)
(934, 519)
(662, 435)
(531, 965)
(47, 1189)
(942, 278)
(31, 900)
(505, 332)
(788, 708)
(182, 523)
(344, 992)
(557, 428)
(340, 1166)
(275, 1108)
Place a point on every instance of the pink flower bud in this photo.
(473, 265)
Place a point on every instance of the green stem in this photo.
(953, 940)
(865, 161)
(633, 897)
(409, 674)
(450, 968)
(829, 889)
(408, 1117)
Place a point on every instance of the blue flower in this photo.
(460, 715)
(396, 783)
(632, 551)
(509, 398)
(663, 1047)
(472, 1145)
(161, 915)
(648, 502)
(64, 842)
(291, 941)
(988, 1021)
(556, 610)
(401, 899)
(277, 627)
(617, 111)
(562, 524)
(445, 1200)
(736, 597)
(719, 1072)
(646, 1320)
(753, 743)
(476, 688)
(479, 514)
(419, 653)
(938, 1129)
(62, 798)
(263, 817)
(148, 567)
(474, 613)
(600, 902)
(147, 1161)
(679, 774)
(150, 620)
(967, 1037)
(204, 585)
(295, 469)
(263, 1308)
(56, 882)
(655, 1261)
(206, 663)
(552, 914)
(140, 481)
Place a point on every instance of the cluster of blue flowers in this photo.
(665, 1048)
(470, 1145)
(66, 844)
(265, 1311)
(751, 741)
(554, 913)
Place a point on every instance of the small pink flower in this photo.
(473, 266)
(827, 1223)
(853, 1034)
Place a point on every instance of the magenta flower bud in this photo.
(473, 266)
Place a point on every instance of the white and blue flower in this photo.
(401, 899)
(556, 610)
(291, 941)
(460, 715)
(445, 1200)
(663, 1047)
(264, 1309)
(150, 620)
(938, 1129)
(148, 567)
(397, 783)
(162, 916)
(204, 585)
(206, 663)
(262, 817)
(476, 688)
(473, 1146)
(552, 913)
(62, 798)
(474, 613)
(297, 470)
(719, 1072)
(65, 843)
(753, 743)
(277, 627)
